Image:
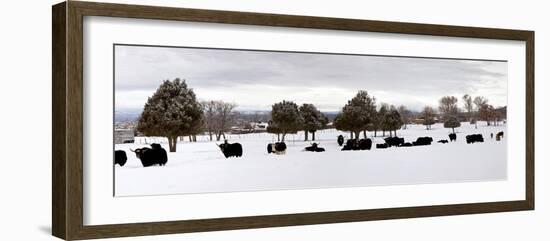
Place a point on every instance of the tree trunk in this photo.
(351, 135)
(453, 130)
(194, 138)
(365, 134)
(313, 135)
(383, 132)
(172, 140)
(218, 136)
(210, 134)
(306, 135)
(375, 133)
(278, 136)
(223, 133)
(283, 138)
(395, 133)
(190, 138)
(357, 133)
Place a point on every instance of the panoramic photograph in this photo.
(193, 120)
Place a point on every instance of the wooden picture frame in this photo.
(67, 123)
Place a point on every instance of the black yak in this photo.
(474, 138)
(406, 144)
(152, 156)
(452, 137)
(382, 146)
(353, 144)
(365, 144)
(314, 148)
(120, 157)
(394, 141)
(128, 141)
(340, 140)
(278, 148)
(423, 141)
(443, 141)
(231, 149)
(500, 135)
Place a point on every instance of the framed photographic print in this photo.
(171, 120)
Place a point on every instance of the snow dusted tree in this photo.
(358, 114)
(224, 118)
(479, 103)
(405, 115)
(451, 122)
(286, 116)
(313, 120)
(469, 107)
(428, 114)
(172, 111)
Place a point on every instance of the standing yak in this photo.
(231, 149)
(452, 137)
(120, 157)
(340, 140)
(156, 155)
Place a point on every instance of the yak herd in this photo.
(156, 155)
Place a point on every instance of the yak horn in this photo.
(132, 150)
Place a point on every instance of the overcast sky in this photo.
(254, 80)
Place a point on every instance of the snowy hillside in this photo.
(200, 167)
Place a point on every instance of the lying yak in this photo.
(340, 140)
(353, 144)
(423, 141)
(443, 141)
(314, 148)
(120, 157)
(500, 135)
(474, 138)
(156, 155)
(394, 141)
(382, 146)
(278, 148)
(231, 149)
(452, 137)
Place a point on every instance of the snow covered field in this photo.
(200, 167)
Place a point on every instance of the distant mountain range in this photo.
(129, 115)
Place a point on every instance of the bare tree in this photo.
(468, 106)
(448, 106)
(479, 102)
(224, 118)
(405, 115)
(209, 111)
(428, 113)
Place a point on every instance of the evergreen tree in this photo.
(313, 120)
(393, 120)
(381, 118)
(273, 129)
(172, 111)
(358, 114)
(286, 116)
(451, 122)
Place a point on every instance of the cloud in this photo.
(257, 79)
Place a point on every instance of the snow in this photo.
(200, 167)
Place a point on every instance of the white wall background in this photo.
(25, 123)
